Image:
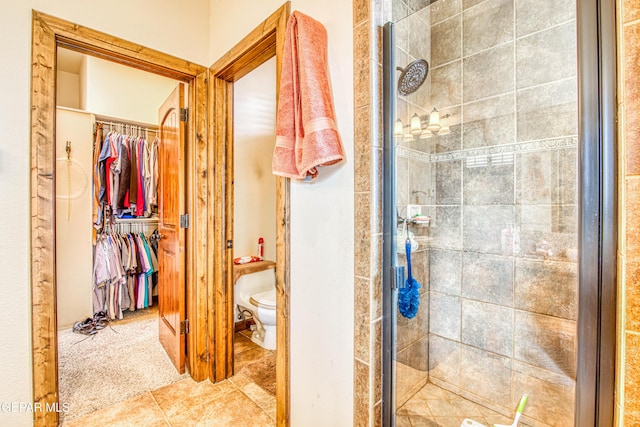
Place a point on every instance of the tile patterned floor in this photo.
(433, 406)
(236, 401)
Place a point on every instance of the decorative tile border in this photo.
(493, 151)
(409, 153)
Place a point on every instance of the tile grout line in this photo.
(249, 397)
(516, 91)
(164, 415)
(252, 382)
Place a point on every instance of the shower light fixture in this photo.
(398, 128)
(416, 125)
(434, 127)
(434, 121)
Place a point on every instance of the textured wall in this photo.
(628, 397)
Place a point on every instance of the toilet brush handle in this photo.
(523, 401)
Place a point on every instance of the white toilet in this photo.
(256, 292)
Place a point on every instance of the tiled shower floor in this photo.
(433, 406)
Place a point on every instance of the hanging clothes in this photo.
(141, 161)
(97, 148)
(153, 195)
(125, 185)
(125, 175)
(124, 267)
(133, 183)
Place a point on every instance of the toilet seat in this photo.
(265, 299)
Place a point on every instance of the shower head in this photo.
(412, 76)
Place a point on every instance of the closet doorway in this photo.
(49, 34)
(119, 264)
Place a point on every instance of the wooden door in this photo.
(171, 246)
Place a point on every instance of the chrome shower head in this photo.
(412, 76)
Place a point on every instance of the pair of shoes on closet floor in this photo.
(101, 320)
(91, 326)
(85, 327)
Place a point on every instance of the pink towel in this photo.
(306, 134)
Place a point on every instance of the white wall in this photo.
(83, 81)
(119, 91)
(68, 90)
(254, 115)
(74, 247)
(178, 28)
(321, 228)
(110, 89)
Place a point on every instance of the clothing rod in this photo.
(115, 123)
(136, 220)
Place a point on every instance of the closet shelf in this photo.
(107, 120)
(153, 219)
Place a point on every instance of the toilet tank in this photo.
(253, 283)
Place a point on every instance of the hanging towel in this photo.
(306, 134)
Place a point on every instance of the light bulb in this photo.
(416, 126)
(398, 128)
(434, 121)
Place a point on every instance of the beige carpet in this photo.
(263, 372)
(113, 365)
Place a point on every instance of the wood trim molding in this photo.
(221, 293)
(283, 255)
(261, 44)
(197, 249)
(47, 34)
(85, 40)
(43, 267)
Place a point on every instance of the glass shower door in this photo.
(484, 169)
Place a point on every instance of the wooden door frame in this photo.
(263, 43)
(48, 33)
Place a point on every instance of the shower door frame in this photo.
(598, 217)
(598, 222)
(389, 224)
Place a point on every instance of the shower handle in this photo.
(397, 277)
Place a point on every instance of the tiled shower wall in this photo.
(500, 323)
(628, 396)
(368, 16)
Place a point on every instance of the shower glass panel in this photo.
(486, 170)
